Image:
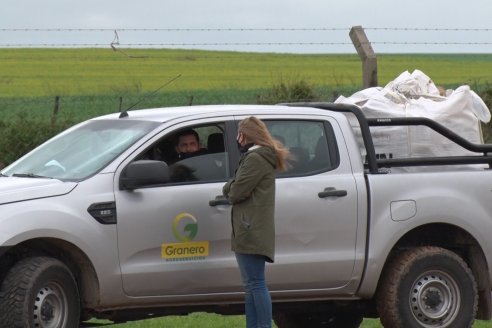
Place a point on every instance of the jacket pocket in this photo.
(246, 223)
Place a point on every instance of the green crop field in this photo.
(83, 72)
(91, 82)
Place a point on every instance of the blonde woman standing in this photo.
(252, 194)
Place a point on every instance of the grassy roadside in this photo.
(203, 320)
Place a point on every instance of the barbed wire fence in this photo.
(260, 34)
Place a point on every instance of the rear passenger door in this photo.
(316, 209)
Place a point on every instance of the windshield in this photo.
(81, 151)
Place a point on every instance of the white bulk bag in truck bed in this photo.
(415, 95)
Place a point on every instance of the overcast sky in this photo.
(322, 25)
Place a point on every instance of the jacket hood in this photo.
(14, 189)
(267, 153)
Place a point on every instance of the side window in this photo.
(311, 144)
(194, 154)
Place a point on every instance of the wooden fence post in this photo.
(56, 108)
(367, 56)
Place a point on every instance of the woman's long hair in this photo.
(255, 131)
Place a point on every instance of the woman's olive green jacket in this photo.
(252, 194)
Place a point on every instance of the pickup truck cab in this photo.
(106, 220)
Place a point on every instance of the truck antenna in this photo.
(124, 113)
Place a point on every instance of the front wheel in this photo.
(39, 292)
(428, 287)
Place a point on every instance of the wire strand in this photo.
(425, 29)
(169, 29)
(228, 44)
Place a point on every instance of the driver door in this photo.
(170, 240)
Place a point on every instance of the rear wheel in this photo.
(427, 287)
(39, 292)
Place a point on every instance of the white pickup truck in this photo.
(104, 220)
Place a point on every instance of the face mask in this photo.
(188, 155)
(245, 148)
(242, 149)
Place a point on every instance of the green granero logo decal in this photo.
(185, 227)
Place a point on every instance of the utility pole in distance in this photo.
(367, 56)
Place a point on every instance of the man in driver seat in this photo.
(188, 144)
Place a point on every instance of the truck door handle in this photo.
(219, 200)
(332, 192)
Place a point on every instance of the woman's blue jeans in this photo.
(258, 303)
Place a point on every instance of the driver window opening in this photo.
(193, 154)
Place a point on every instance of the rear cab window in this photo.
(312, 145)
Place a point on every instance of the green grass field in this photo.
(76, 72)
(92, 82)
(82, 72)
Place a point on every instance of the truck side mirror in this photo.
(144, 173)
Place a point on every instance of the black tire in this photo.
(317, 320)
(428, 287)
(39, 292)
